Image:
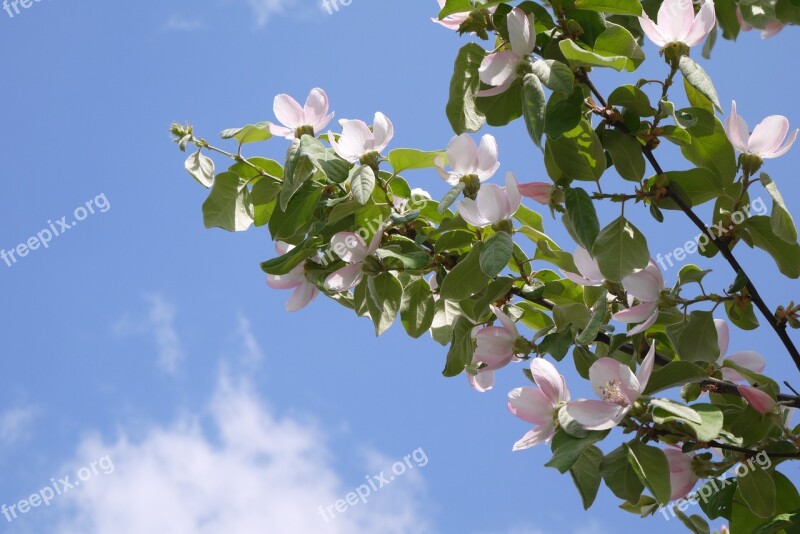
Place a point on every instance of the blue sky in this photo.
(140, 336)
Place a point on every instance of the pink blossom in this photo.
(500, 68)
(681, 476)
(541, 192)
(619, 389)
(590, 274)
(357, 140)
(293, 117)
(466, 158)
(494, 348)
(762, 402)
(454, 21)
(750, 360)
(771, 29)
(352, 249)
(492, 204)
(646, 286)
(765, 141)
(304, 291)
(539, 405)
(678, 23)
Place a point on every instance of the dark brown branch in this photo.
(780, 329)
(727, 388)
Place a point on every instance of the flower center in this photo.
(612, 392)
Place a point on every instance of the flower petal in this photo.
(356, 140)
(652, 31)
(768, 135)
(750, 360)
(703, 23)
(650, 321)
(785, 148)
(285, 281)
(512, 194)
(646, 285)
(738, 132)
(606, 374)
(540, 434)
(483, 381)
(492, 203)
(681, 477)
(487, 163)
(549, 381)
(316, 106)
(499, 69)
(383, 131)
(505, 320)
(758, 399)
(288, 111)
(494, 346)
(646, 369)
(345, 278)
(541, 192)
(595, 414)
(636, 314)
(587, 265)
(531, 405)
(462, 153)
(349, 247)
(523, 40)
(675, 18)
(301, 297)
(468, 209)
(723, 337)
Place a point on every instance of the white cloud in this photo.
(263, 10)
(182, 23)
(236, 468)
(160, 322)
(15, 424)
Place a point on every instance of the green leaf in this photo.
(418, 308)
(284, 264)
(691, 274)
(620, 476)
(586, 474)
(501, 109)
(325, 159)
(697, 78)
(296, 218)
(263, 196)
(710, 147)
(650, 464)
(228, 206)
(567, 449)
(696, 339)
(598, 320)
(496, 254)
(615, 48)
(626, 153)
(742, 314)
(402, 159)
(786, 256)
(446, 314)
(297, 171)
(554, 75)
(533, 106)
(563, 113)
(617, 7)
(781, 220)
(461, 349)
(384, 298)
(632, 98)
(712, 421)
(578, 153)
(461, 110)
(466, 278)
(695, 523)
(674, 410)
(451, 196)
(620, 249)
(582, 217)
(251, 133)
(758, 492)
(674, 374)
(698, 185)
(362, 183)
(201, 168)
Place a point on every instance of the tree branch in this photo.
(779, 328)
